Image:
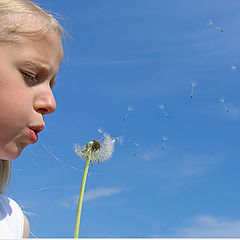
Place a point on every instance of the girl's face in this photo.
(27, 74)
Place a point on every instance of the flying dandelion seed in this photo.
(136, 144)
(222, 100)
(100, 131)
(130, 108)
(119, 139)
(193, 83)
(219, 29)
(94, 151)
(210, 23)
(233, 67)
(29, 213)
(161, 106)
(164, 140)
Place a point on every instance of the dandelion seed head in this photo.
(99, 151)
(107, 148)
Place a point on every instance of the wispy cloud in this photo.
(101, 192)
(113, 62)
(197, 164)
(210, 226)
(177, 169)
(153, 153)
(235, 112)
(71, 201)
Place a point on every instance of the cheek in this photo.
(15, 107)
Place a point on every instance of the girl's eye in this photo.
(30, 78)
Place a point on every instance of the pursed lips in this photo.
(33, 132)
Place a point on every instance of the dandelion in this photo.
(164, 140)
(193, 83)
(161, 106)
(222, 100)
(130, 108)
(210, 23)
(94, 151)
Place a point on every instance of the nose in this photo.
(45, 103)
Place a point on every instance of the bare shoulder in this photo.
(26, 229)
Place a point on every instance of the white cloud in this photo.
(154, 153)
(197, 164)
(72, 201)
(210, 226)
(66, 203)
(100, 192)
(178, 170)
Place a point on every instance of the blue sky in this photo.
(141, 53)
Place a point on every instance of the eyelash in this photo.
(32, 79)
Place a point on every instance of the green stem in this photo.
(77, 225)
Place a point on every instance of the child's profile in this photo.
(30, 55)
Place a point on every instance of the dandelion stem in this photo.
(80, 201)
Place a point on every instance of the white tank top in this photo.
(11, 219)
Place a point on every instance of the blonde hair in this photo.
(5, 174)
(23, 18)
(20, 18)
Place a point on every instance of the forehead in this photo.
(14, 26)
(44, 49)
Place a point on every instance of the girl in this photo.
(30, 55)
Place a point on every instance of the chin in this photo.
(9, 157)
(11, 154)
